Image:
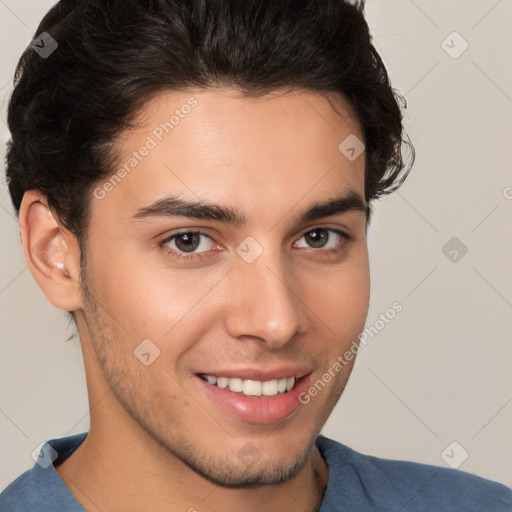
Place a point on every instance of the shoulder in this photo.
(384, 484)
(41, 488)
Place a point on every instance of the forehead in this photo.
(280, 149)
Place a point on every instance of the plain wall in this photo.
(440, 370)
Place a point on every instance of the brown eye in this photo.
(317, 238)
(188, 242)
(323, 238)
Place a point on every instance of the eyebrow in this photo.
(175, 206)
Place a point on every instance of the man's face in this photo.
(273, 299)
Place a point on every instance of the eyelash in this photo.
(206, 254)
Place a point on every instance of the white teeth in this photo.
(222, 382)
(236, 385)
(270, 387)
(252, 387)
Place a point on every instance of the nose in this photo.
(265, 303)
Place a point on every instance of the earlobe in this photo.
(51, 251)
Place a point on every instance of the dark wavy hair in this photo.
(113, 56)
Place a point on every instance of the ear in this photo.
(51, 251)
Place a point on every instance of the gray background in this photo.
(439, 372)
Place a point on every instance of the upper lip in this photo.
(261, 374)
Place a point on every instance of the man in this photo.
(194, 182)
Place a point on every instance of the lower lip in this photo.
(261, 409)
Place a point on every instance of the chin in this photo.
(247, 476)
(245, 467)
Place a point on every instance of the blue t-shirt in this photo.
(357, 483)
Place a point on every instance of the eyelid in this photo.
(342, 234)
(184, 256)
(338, 230)
(187, 231)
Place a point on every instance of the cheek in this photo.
(148, 300)
(173, 309)
(342, 303)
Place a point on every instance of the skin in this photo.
(157, 441)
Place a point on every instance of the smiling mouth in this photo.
(252, 387)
